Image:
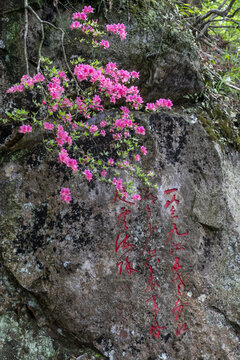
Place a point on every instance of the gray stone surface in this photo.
(65, 255)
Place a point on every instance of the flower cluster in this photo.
(159, 104)
(25, 128)
(26, 81)
(63, 136)
(63, 157)
(55, 89)
(117, 29)
(71, 114)
(65, 195)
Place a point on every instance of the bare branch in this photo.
(218, 12)
(234, 13)
(222, 4)
(205, 27)
(40, 20)
(217, 49)
(232, 86)
(40, 48)
(62, 41)
(223, 26)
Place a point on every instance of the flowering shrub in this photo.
(70, 111)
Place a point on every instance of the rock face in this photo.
(151, 280)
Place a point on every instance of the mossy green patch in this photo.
(20, 342)
(14, 45)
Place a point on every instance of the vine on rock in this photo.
(68, 112)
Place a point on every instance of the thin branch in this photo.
(220, 51)
(222, 4)
(40, 48)
(73, 8)
(208, 25)
(216, 11)
(234, 21)
(62, 41)
(40, 20)
(234, 13)
(232, 86)
(25, 36)
(205, 27)
(10, 11)
(226, 83)
(223, 26)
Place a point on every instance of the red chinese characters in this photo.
(151, 255)
(176, 250)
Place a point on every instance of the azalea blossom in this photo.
(103, 123)
(150, 106)
(111, 161)
(144, 150)
(105, 44)
(65, 195)
(140, 130)
(93, 129)
(104, 173)
(48, 126)
(136, 197)
(25, 128)
(164, 103)
(88, 174)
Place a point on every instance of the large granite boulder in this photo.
(157, 279)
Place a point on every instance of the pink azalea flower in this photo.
(62, 75)
(88, 9)
(119, 184)
(88, 174)
(63, 156)
(111, 162)
(164, 103)
(15, 88)
(25, 128)
(63, 136)
(140, 130)
(75, 25)
(105, 44)
(65, 195)
(137, 157)
(72, 163)
(93, 129)
(136, 197)
(48, 126)
(103, 173)
(135, 74)
(150, 106)
(38, 78)
(103, 123)
(117, 29)
(78, 15)
(103, 133)
(97, 100)
(144, 150)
